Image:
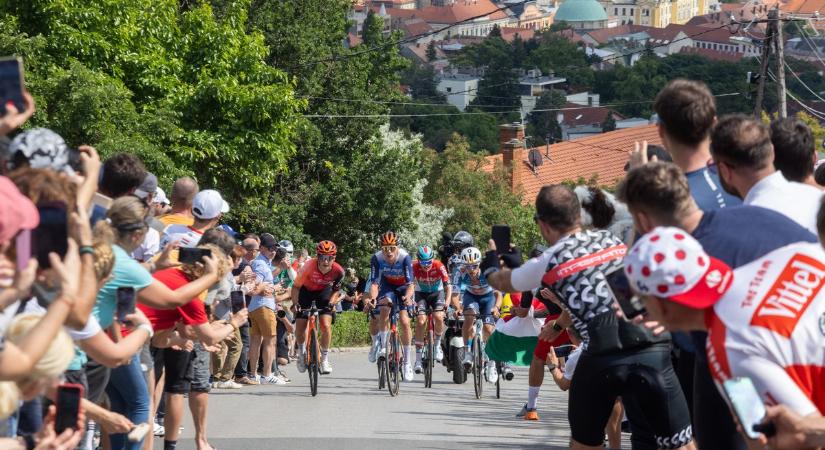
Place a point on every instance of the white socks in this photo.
(532, 396)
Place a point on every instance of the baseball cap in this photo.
(160, 197)
(209, 204)
(17, 212)
(42, 148)
(269, 241)
(669, 263)
(149, 185)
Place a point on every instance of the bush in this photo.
(351, 330)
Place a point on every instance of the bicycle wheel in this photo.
(382, 372)
(456, 359)
(429, 360)
(313, 367)
(478, 366)
(394, 365)
(499, 370)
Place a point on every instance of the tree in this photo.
(428, 220)
(495, 32)
(543, 123)
(609, 123)
(431, 54)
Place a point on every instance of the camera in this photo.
(281, 314)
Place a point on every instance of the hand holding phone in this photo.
(501, 237)
(619, 286)
(192, 255)
(69, 397)
(747, 406)
(237, 300)
(11, 85)
(126, 298)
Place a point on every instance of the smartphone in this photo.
(11, 84)
(190, 255)
(619, 287)
(125, 302)
(501, 236)
(237, 300)
(746, 404)
(102, 201)
(51, 235)
(23, 248)
(563, 351)
(69, 397)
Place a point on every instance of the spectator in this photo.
(262, 309)
(182, 196)
(284, 277)
(123, 173)
(743, 153)
(763, 318)
(793, 148)
(819, 175)
(225, 360)
(601, 211)
(246, 278)
(794, 431)
(151, 243)
(351, 296)
(160, 203)
(207, 208)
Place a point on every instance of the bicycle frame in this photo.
(313, 355)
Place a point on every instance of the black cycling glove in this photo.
(490, 263)
(512, 259)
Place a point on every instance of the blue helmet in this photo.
(425, 253)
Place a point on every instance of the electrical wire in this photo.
(809, 41)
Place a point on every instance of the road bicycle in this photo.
(313, 352)
(428, 358)
(477, 348)
(389, 366)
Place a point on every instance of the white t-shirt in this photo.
(798, 201)
(149, 247)
(770, 327)
(570, 363)
(184, 234)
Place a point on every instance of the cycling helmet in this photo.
(286, 245)
(389, 238)
(471, 255)
(463, 239)
(326, 248)
(425, 253)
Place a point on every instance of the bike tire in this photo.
(382, 372)
(478, 367)
(429, 355)
(499, 370)
(457, 362)
(394, 368)
(314, 367)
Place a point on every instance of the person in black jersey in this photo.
(619, 359)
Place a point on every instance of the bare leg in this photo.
(268, 354)
(404, 329)
(614, 426)
(198, 404)
(255, 342)
(174, 416)
(326, 331)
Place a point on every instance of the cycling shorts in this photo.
(644, 375)
(432, 300)
(321, 298)
(482, 305)
(393, 294)
(543, 347)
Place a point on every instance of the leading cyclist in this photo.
(432, 288)
(391, 283)
(319, 281)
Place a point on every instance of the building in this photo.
(584, 99)
(400, 4)
(655, 13)
(456, 12)
(601, 157)
(578, 121)
(582, 14)
(530, 14)
(532, 85)
(460, 89)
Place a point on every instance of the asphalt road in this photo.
(351, 413)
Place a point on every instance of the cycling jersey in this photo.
(770, 326)
(431, 278)
(311, 279)
(474, 283)
(396, 274)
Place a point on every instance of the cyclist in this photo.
(319, 281)
(391, 283)
(432, 288)
(460, 241)
(478, 301)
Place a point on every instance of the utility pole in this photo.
(763, 68)
(780, 63)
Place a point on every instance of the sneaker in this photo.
(382, 353)
(468, 360)
(508, 372)
(234, 385)
(418, 368)
(408, 372)
(326, 367)
(439, 354)
(282, 375)
(245, 381)
(301, 364)
(227, 385)
(373, 353)
(527, 413)
(273, 379)
(159, 430)
(256, 379)
(490, 372)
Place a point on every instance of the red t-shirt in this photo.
(192, 313)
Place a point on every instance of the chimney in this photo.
(511, 139)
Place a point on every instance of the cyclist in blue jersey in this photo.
(460, 241)
(478, 301)
(431, 283)
(391, 283)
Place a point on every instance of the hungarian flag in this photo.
(514, 340)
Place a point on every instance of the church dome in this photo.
(580, 11)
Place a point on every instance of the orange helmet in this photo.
(326, 248)
(389, 238)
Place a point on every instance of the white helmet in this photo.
(471, 255)
(286, 245)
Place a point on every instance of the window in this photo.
(624, 11)
(449, 89)
(615, 11)
(631, 11)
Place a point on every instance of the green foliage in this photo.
(350, 330)
(431, 53)
(478, 199)
(544, 123)
(481, 129)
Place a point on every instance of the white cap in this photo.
(209, 204)
(160, 197)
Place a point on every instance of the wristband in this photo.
(148, 328)
(556, 326)
(87, 249)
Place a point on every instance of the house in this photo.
(510, 33)
(600, 157)
(578, 121)
(460, 89)
(811, 9)
(655, 13)
(530, 14)
(584, 98)
(532, 85)
(457, 13)
(400, 4)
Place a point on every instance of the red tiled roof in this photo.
(509, 33)
(603, 156)
(804, 6)
(570, 35)
(460, 11)
(603, 35)
(583, 115)
(415, 27)
(713, 54)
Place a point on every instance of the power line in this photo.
(389, 102)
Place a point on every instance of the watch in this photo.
(552, 366)
(557, 327)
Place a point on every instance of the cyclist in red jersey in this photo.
(432, 288)
(319, 281)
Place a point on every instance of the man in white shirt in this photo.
(742, 149)
(151, 242)
(207, 207)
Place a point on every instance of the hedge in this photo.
(351, 330)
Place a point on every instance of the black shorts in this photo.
(432, 300)
(321, 298)
(644, 375)
(97, 377)
(179, 367)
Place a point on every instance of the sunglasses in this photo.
(426, 263)
(251, 249)
(471, 266)
(389, 248)
(325, 258)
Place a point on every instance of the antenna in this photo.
(535, 159)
